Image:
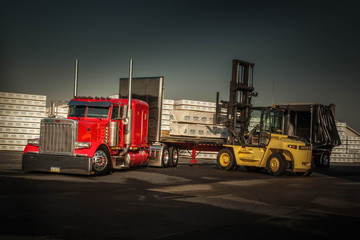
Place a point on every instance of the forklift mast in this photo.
(239, 105)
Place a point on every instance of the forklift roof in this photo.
(302, 107)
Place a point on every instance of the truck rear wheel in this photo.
(276, 164)
(101, 162)
(325, 160)
(165, 158)
(226, 159)
(174, 156)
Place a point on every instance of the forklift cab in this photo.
(264, 121)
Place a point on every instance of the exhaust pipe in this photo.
(128, 136)
(76, 77)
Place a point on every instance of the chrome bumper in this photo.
(56, 163)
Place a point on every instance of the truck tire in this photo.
(276, 164)
(225, 159)
(165, 158)
(325, 160)
(174, 156)
(101, 162)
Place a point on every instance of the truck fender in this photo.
(91, 151)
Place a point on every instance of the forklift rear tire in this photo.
(225, 159)
(276, 164)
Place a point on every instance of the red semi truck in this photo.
(101, 134)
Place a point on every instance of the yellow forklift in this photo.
(255, 138)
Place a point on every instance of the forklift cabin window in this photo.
(254, 121)
(272, 121)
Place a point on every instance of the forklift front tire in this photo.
(225, 159)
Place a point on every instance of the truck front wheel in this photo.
(276, 164)
(101, 162)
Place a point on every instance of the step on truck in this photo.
(102, 134)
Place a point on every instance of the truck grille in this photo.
(58, 136)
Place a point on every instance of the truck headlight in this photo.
(35, 142)
(79, 145)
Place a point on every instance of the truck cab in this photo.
(94, 138)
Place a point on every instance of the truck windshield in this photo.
(77, 111)
(91, 112)
(97, 112)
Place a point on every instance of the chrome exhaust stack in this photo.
(76, 77)
(128, 119)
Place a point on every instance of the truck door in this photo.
(116, 117)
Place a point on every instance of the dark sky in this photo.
(310, 49)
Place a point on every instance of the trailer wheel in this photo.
(325, 160)
(174, 156)
(276, 164)
(226, 159)
(165, 158)
(101, 162)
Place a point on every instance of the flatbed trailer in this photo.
(194, 144)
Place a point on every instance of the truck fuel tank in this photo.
(113, 133)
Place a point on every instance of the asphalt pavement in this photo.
(192, 201)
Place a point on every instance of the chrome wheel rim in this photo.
(100, 161)
(175, 156)
(325, 160)
(166, 157)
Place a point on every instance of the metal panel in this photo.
(58, 136)
(156, 154)
(150, 90)
(56, 163)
